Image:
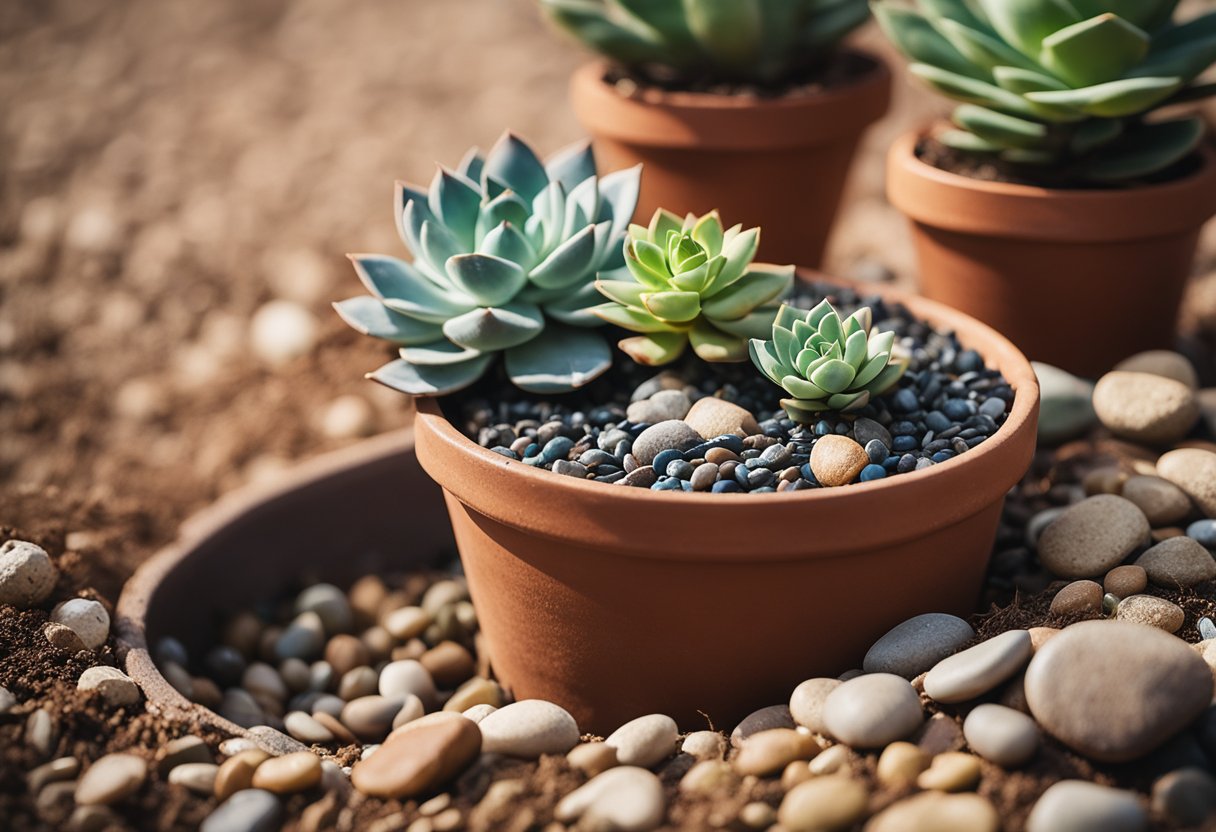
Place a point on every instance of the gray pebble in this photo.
(1007, 737)
(330, 603)
(274, 742)
(304, 638)
(306, 729)
(1186, 796)
(979, 669)
(249, 810)
(873, 711)
(916, 645)
(670, 434)
(1080, 806)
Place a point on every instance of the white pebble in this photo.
(282, 330)
(402, 678)
(27, 575)
(624, 799)
(529, 729)
(348, 417)
(645, 741)
(704, 745)
(88, 619)
(114, 685)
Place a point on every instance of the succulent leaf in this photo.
(369, 316)
(656, 348)
(558, 360)
(430, 380)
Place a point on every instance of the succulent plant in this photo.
(825, 363)
(722, 40)
(693, 282)
(506, 250)
(1061, 82)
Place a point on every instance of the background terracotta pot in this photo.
(368, 509)
(1076, 278)
(779, 163)
(616, 602)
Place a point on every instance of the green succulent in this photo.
(506, 250)
(1061, 82)
(825, 363)
(693, 282)
(721, 40)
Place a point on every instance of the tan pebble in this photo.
(830, 761)
(1103, 481)
(768, 752)
(1162, 502)
(112, 778)
(953, 771)
(197, 777)
(1092, 537)
(704, 745)
(708, 777)
(236, 773)
(899, 763)
(592, 757)
(449, 664)
(56, 771)
(1124, 581)
(288, 774)
(1041, 635)
(1207, 649)
(712, 417)
(476, 691)
(1145, 408)
(335, 727)
(366, 595)
(796, 772)
(937, 812)
(1078, 597)
(823, 804)
(64, 638)
(837, 460)
(1155, 612)
(345, 652)
(757, 815)
(1164, 363)
(806, 702)
(379, 643)
(1194, 471)
(206, 692)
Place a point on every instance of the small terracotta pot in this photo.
(617, 602)
(367, 509)
(780, 164)
(1077, 278)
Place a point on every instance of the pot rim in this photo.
(713, 121)
(847, 512)
(954, 202)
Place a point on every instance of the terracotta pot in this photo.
(363, 510)
(779, 163)
(1076, 278)
(617, 602)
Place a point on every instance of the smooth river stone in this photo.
(1194, 471)
(1092, 537)
(1114, 691)
(765, 719)
(979, 669)
(806, 702)
(823, 804)
(1153, 611)
(645, 741)
(1178, 562)
(670, 434)
(1165, 363)
(27, 574)
(1162, 502)
(623, 799)
(529, 729)
(1007, 737)
(873, 710)
(917, 644)
(419, 757)
(937, 812)
(768, 752)
(1080, 806)
(112, 778)
(712, 417)
(288, 774)
(1145, 408)
(250, 810)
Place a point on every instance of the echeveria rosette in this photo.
(506, 249)
(1066, 83)
(721, 40)
(827, 364)
(692, 282)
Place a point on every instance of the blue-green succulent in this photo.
(505, 249)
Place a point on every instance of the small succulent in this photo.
(506, 250)
(693, 282)
(1061, 82)
(764, 41)
(825, 363)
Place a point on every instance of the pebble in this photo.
(768, 752)
(261, 678)
(27, 575)
(371, 717)
(1194, 471)
(183, 750)
(1113, 690)
(592, 758)
(348, 417)
(197, 777)
(407, 622)
(251, 810)
(273, 741)
(111, 779)
(1065, 405)
(449, 664)
(757, 815)
(236, 773)
(662, 436)
(1178, 562)
(408, 677)
(979, 669)
(662, 406)
(824, 804)
(1145, 408)
(7, 700)
(713, 417)
(1155, 612)
(114, 685)
(1162, 502)
(476, 691)
(528, 729)
(64, 638)
(1186, 796)
(872, 711)
(623, 799)
(478, 712)
(1123, 581)
(951, 771)
(917, 644)
(773, 716)
(419, 757)
(412, 709)
(41, 731)
(1164, 363)
(937, 812)
(1092, 537)
(288, 774)
(239, 706)
(900, 763)
(806, 702)
(835, 759)
(645, 741)
(704, 745)
(837, 460)
(1204, 531)
(305, 728)
(1078, 597)
(1007, 737)
(87, 618)
(281, 330)
(1080, 806)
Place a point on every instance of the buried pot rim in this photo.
(826, 522)
(943, 199)
(683, 119)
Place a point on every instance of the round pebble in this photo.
(305, 728)
(704, 745)
(1007, 737)
(87, 618)
(1162, 502)
(1164, 363)
(288, 774)
(900, 763)
(662, 406)
(768, 752)
(645, 741)
(917, 644)
(592, 758)
(529, 729)
(1186, 796)
(837, 460)
(774, 716)
(404, 678)
(979, 669)
(1145, 408)
(1092, 537)
(329, 603)
(1065, 404)
(1113, 690)
(1080, 806)
(197, 777)
(1078, 597)
(407, 622)
(951, 771)
(281, 330)
(1123, 581)
(1203, 531)
(111, 779)
(937, 812)
(623, 799)
(419, 757)
(712, 417)
(806, 702)
(371, 717)
(1155, 612)
(251, 810)
(27, 575)
(114, 685)
(1194, 471)
(662, 436)
(236, 773)
(873, 710)
(1178, 562)
(823, 804)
